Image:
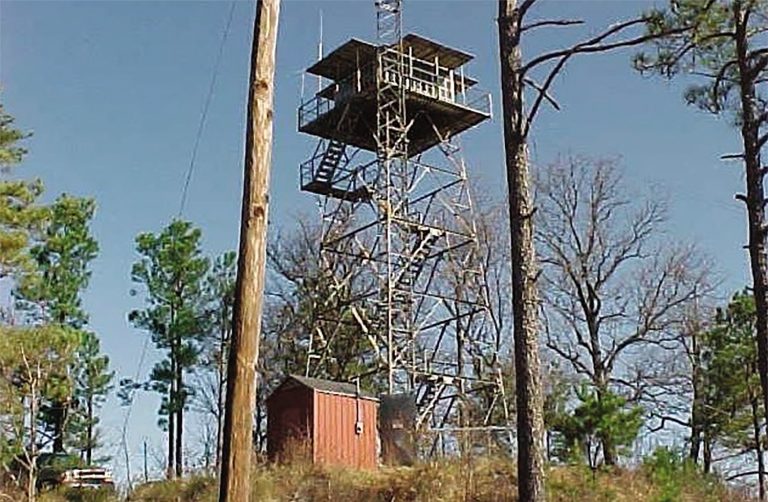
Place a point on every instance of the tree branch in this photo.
(552, 22)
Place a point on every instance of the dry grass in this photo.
(483, 479)
(567, 484)
(477, 480)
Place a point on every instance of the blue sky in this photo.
(113, 91)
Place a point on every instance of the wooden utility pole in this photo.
(241, 372)
(525, 302)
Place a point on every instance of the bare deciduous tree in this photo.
(486, 328)
(614, 291)
(303, 298)
(536, 76)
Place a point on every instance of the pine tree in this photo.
(171, 269)
(732, 416)
(21, 216)
(721, 43)
(92, 382)
(62, 261)
(600, 418)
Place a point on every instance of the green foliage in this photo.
(46, 252)
(600, 416)
(59, 462)
(730, 382)
(93, 381)
(77, 495)
(33, 363)
(665, 467)
(10, 152)
(171, 271)
(21, 217)
(672, 472)
(63, 259)
(701, 40)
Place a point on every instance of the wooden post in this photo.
(146, 468)
(241, 373)
(525, 303)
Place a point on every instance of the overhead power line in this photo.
(184, 192)
(206, 106)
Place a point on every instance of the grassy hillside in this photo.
(661, 480)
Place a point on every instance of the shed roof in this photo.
(325, 386)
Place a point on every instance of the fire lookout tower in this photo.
(397, 206)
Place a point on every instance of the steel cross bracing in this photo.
(416, 291)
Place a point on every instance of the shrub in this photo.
(675, 477)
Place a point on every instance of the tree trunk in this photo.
(609, 449)
(707, 451)
(755, 199)
(758, 446)
(219, 420)
(58, 426)
(170, 471)
(697, 405)
(257, 430)
(32, 455)
(249, 288)
(221, 382)
(530, 422)
(89, 433)
(695, 433)
(180, 421)
(60, 409)
(601, 385)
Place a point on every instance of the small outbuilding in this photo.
(333, 423)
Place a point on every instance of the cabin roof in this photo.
(424, 48)
(344, 60)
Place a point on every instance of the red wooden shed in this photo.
(332, 419)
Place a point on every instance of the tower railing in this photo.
(314, 108)
(422, 77)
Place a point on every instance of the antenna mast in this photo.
(320, 51)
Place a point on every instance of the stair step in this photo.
(329, 162)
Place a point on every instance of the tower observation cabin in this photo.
(441, 100)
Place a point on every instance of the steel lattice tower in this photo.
(396, 202)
